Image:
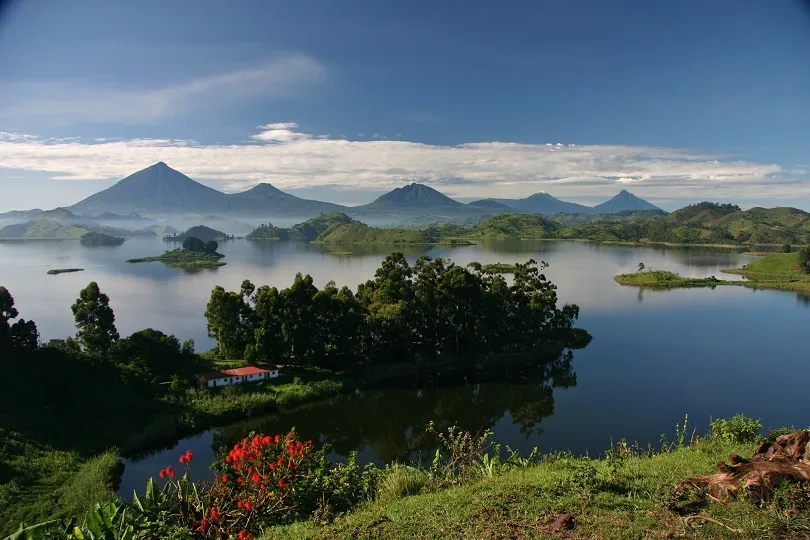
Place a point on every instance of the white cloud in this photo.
(290, 159)
(77, 101)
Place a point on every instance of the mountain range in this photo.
(160, 191)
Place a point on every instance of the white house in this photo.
(228, 377)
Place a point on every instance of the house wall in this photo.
(228, 381)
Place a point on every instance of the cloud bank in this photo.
(290, 159)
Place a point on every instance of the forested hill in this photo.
(703, 223)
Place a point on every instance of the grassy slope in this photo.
(181, 258)
(524, 226)
(35, 479)
(358, 233)
(629, 503)
(42, 229)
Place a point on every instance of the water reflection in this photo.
(390, 424)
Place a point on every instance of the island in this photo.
(778, 271)
(194, 254)
(57, 271)
(100, 239)
(201, 232)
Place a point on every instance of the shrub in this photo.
(737, 429)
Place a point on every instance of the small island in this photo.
(201, 232)
(57, 271)
(778, 271)
(100, 239)
(499, 268)
(193, 255)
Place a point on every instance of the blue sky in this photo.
(676, 101)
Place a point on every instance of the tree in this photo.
(211, 246)
(787, 248)
(641, 267)
(192, 243)
(7, 312)
(804, 259)
(95, 320)
(24, 335)
(229, 318)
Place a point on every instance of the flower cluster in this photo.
(254, 487)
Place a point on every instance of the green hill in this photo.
(100, 239)
(516, 226)
(307, 231)
(42, 229)
(360, 233)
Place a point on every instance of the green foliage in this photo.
(183, 258)
(804, 259)
(662, 279)
(192, 243)
(435, 310)
(401, 481)
(22, 336)
(787, 248)
(200, 232)
(737, 429)
(95, 320)
(100, 239)
(211, 246)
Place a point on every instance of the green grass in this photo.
(628, 500)
(499, 268)
(661, 279)
(778, 271)
(183, 258)
(57, 271)
(39, 482)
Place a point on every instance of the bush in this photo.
(804, 259)
(401, 481)
(737, 429)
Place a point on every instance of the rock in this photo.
(785, 460)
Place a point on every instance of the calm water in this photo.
(655, 355)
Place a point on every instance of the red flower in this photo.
(256, 477)
(244, 535)
(162, 473)
(203, 524)
(223, 478)
(240, 504)
(247, 505)
(282, 483)
(170, 471)
(186, 458)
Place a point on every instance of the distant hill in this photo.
(155, 189)
(624, 200)
(492, 204)
(420, 203)
(307, 231)
(543, 203)
(206, 234)
(100, 239)
(267, 200)
(524, 226)
(42, 229)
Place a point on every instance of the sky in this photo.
(677, 102)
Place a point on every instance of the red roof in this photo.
(237, 372)
(250, 370)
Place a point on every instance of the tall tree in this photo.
(7, 312)
(95, 320)
(230, 318)
(192, 243)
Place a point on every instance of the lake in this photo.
(655, 355)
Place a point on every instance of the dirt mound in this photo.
(785, 460)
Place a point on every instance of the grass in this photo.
(629, 499)
(36, 478)
(183, 258)
(499, 268)
(661, 279)
(57, 271)
(778, 271)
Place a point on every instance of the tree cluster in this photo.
(20, 336)
(192, 243)
(432, 310)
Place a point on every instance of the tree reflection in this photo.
(389, 425)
